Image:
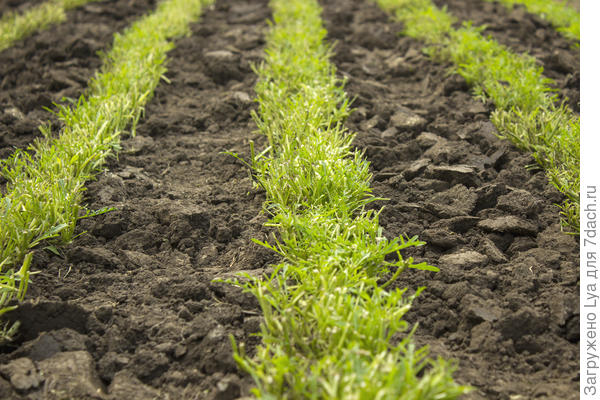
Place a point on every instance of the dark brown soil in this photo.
(16, 6)
(130, 309)
(526, 33)
(56, 63)
(505, 303)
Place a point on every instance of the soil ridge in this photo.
(56, 63)
(524, 32)
(131, 305)
(506, 298)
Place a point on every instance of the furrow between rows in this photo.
(525, 110)
(490, 223)
(55, 65)
(45, 184)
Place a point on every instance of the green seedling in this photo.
(13, 285)
(528, 111)
(15, 26)
(563, 17)
(333, 326)
(45, 183)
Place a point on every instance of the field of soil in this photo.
(129, 309)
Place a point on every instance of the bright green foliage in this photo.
(526, 109)
(13, 285)
(330, 330)
(15, 26)
(422, 19)
(563, 17)
(46, 182)
(509, 80)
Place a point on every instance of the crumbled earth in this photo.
(526, 33)
(55, 65)
(506, 300)
(16, 6)
(131, 310)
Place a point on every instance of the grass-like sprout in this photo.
(332, 329)
(527, 111)
(46, 181)
(564, 18)
(15, 26)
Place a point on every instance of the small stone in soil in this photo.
(22, 373)
(508, 224)
(464, 174)
(467, 260)
(406, 119)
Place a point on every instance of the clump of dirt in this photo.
(54, 65)
(506, 300)
(131, 309)
(526, 33)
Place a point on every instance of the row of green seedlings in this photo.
(563, 17)
(527, 111)
(46, 181)
(15, 26)
(331, 328)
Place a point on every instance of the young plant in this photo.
(527, 111)
(14, 26)
(563, 17)
(332, 329)
(46, 182)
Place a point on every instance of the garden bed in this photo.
(41, 70)
(129, 307)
